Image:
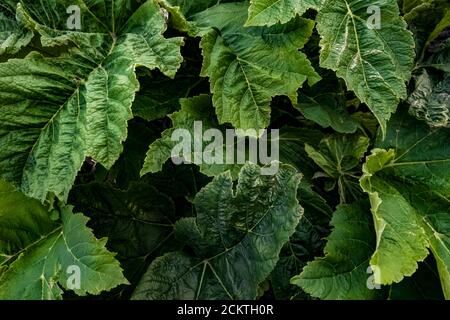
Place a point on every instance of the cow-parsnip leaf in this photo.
(375, 61)
(408, 181)
(235, 239)
(342, 273)
(38, 252)
(56, 111)
(247, 67)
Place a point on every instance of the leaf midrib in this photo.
(207, 260)
(62, 106)
(34, 243)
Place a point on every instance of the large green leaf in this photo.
(38, 252)
(235, 239)
(408, 182)
(57, 110)
(247, 67)
(269, 12)
(375, 63)
(342, 273)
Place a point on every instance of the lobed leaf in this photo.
(58, 110)
(39, 252)
(375, 63)
(236, 239)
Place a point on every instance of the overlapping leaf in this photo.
(192, 121)
(408, 182)
(13, 34)
(375, 60)
(185, 142)
(37, 252)
(236, 239)
(342, 273)
(269, 12)
(57, 110)
(247, 67)
(339, 156)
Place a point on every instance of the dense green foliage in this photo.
(358, 208)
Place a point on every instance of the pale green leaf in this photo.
(58, 110)
(408, 182)
(375, 63)
(396, 224)
(39, 252)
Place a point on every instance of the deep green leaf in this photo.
(422, 285)
(408, 182)
(325, 104)
(342, 273)
(235, 239)
(247, 67)
(339, 156)
(306, 243)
